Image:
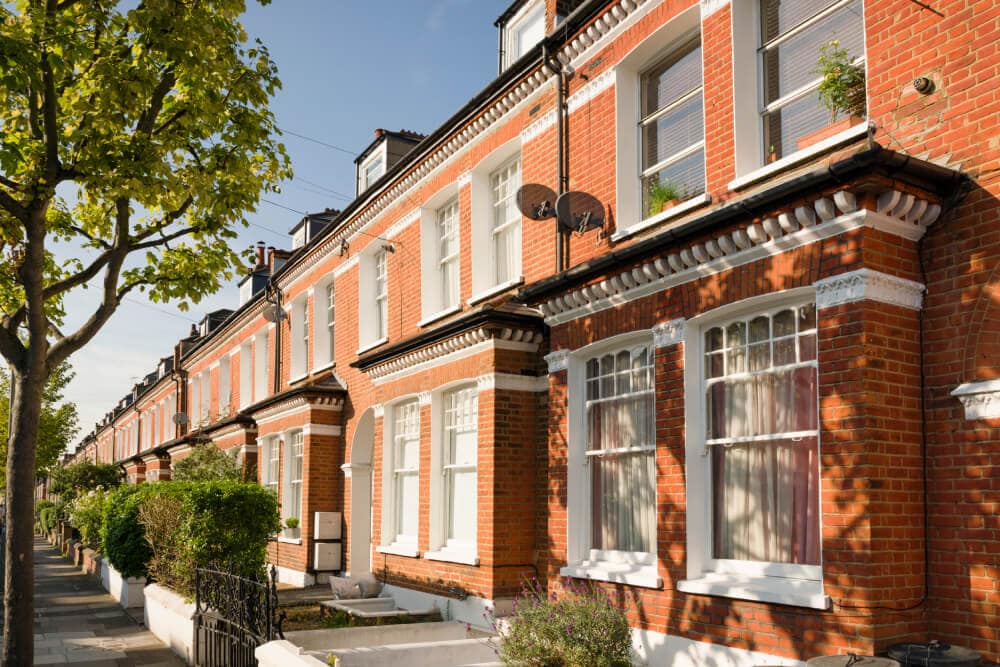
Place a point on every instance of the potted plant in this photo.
(292, 527)
(841, 91)
(662, 195)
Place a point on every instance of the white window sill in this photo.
(794, 592)
(618, 573)
(439, 315)
(672, 212)
(493, 291)
(298, 378)
(289, 540)
(372, 345)
(799, 156)
(409, 551)
(325, 366)
(452, 556)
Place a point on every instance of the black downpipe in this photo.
(500, 51)
(563, 175)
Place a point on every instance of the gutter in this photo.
(874, 160)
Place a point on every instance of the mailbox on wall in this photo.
(328, 542)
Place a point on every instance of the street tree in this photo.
(58, 421)
(136, 135)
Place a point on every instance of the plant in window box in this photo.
(662, 195)
(292, 528)
(841, 91)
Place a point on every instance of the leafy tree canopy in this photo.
(58, 424)
(72, 480)
(206, 463)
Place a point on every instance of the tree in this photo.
(206, 463)
(73, 480)
(133, 137)
(58, 423)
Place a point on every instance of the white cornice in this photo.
(295, 405)
(321, 429)
(452, 349)
(378, 410)
(512, 382)
(669, 333)
(902, 215)
(345, 266)
(709, 7)
(866, 284)
(981, 400)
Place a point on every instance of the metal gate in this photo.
(234, 615)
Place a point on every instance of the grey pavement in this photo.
(77, 622)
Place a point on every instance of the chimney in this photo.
(261, 263)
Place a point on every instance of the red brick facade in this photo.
(893, 234)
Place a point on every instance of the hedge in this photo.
(123, 538)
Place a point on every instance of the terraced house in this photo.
(646, 312)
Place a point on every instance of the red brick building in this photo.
(749, 378)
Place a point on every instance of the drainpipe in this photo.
(556, 66)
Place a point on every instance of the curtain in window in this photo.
(621, 442)
(406, 464)
(295, 474)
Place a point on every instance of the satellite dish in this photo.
(180, 419)
(536, 201)
(272, 313)
(579, 211)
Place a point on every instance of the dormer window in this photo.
(371, 166)
(522, 31)
(388, 148)
(374, 169)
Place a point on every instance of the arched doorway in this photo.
(360, 470)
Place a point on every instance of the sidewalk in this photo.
(77, 622)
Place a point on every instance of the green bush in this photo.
(192, 524)
(206, 463)
(123, 538)
(582, 628)
(42, 504)
(47, 519)
(86, 513)
(73, 480)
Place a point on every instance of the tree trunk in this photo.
(19, 571)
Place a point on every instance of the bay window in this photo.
(294, 463)
(459, 467)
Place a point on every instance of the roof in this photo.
(381, 135)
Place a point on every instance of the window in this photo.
(447, 235)
(621, 446)
(374, 170)
(403, 464)
(325, 308)
(293, 505)
(381, 294)
(611, 489)
(206, 398)
(459, 467)
(523, 31)
(270, 469)
(782, 77)
(260, 366)
(194, 387)
(224, 383)
(506, 232)
(246, 374)
(672, 130)
(299, 330)
(753, 431)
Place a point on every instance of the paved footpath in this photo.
(77, 622)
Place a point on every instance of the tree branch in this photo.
(11, 346)
(14, 207)
(50, 112)
(148, 119)
(164, 239)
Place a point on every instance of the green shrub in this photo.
(191, 524)
(582, 628)
(123, 538)
(72, 480)
(47, 519)
(86, 513)
(206, 463)
(42, 504)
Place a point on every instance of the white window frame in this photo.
(205, 412)
(677, 33)
(294, 463)
(444, 547)
(636, 569)
(246, 373)
(484, 228)
(433, 306)
(299, 328)
(380, 153)
(392, 540)
(270, 464)
(516, 25)
(798, 585)
(751, 164)
(225, 383)
(261, 357)
(373, 296)
(324, 324)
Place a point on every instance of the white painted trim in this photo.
(396, 228)
(868, 284)
(287, 575)
(298, 378)
(453, 556)
(656, 648)
(777, 590)
(669, 333)
(378, 410)
(373, 345)
(493, 291)
(709, 7)
(424, 398)
(558, 360)
(318, 369)
(512, 382)
(670, 213)
(631, 575)
(398, 550)
(981, 400)
(322, 429)
(289, 540)
(441, 314)
(349, 468)
(345, 265)
(407, 366)
(283, 653)
(538, 127)
(798, 156)
(284, 413)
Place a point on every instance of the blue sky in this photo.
(347, 67)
